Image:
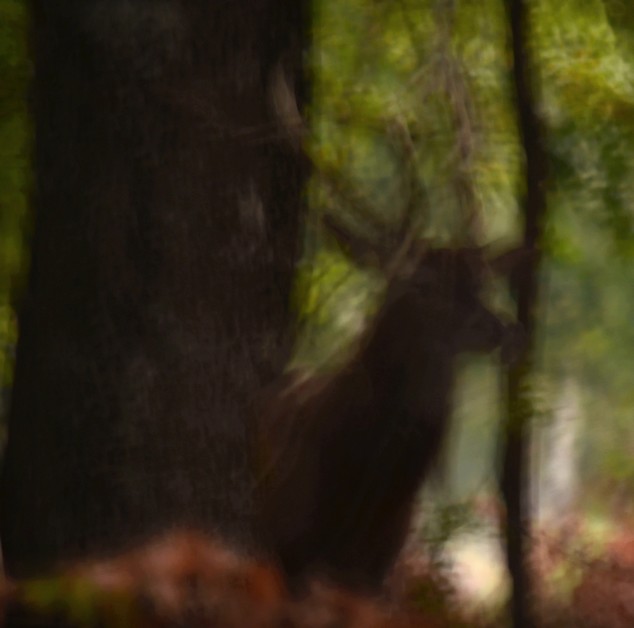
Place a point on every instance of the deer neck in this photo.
(409, 358)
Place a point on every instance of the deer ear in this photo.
(510, 262)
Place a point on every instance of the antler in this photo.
(391, 247)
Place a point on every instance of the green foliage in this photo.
(79, 601)
(333, 299)
(436, 76)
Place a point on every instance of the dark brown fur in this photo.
(342, 458)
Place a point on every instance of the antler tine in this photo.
(417, 200)
(356, 203)
(362, 251)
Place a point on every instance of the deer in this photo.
(341, 458)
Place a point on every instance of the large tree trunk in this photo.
(168, 201)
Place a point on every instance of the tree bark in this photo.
(514, 479)
(168, 203)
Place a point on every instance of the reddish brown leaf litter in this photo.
(605, 596)
(186, 579)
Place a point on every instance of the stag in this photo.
(342, 458)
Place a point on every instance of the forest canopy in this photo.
(413, 111)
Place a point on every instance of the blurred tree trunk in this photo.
(514, 474)
(168, 200)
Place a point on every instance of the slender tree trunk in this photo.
(515, 468)
(168, 201)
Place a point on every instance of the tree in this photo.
(514, 474)
(168, 203)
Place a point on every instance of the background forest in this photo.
(433, 78)
(412, 114)
(438, 72)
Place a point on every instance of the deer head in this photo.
(448, 283)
